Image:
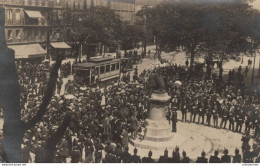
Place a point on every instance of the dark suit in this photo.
(185, 160)
(214, 159)
(237, 159)
(75, 156)
(135, 159)
(164, 159)
(148, 160)
(202, 160)
(226, 159)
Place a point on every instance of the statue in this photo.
(156, 83)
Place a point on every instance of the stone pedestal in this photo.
(158, 129)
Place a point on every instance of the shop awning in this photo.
(28, 51)
(60, 45)
(33, 14)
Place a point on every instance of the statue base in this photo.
(158, 129)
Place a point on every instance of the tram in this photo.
(104, 69)
(126, 65)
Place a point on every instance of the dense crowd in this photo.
(93, 123)
(104, 119)
(225, 158)
(208, 100)
(65, 69)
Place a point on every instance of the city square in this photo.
(129, 81)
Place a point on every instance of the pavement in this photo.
(195, 138)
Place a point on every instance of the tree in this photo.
(131, 34)
(217, 29)
(175, 25)
(14, 127)
(97, 25)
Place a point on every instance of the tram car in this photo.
(126, 65)
(104, 69)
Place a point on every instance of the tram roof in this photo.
(93, 64)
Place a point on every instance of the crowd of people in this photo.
(65, 69)
(207, 100)
(225, 158)
(104, 119)
(123, 111)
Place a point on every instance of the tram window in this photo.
(107, 68)
(117, 66)
(113, 67)
(97, 71)
(87, 73)
(102, 69)
(80, 73)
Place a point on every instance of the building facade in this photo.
(26, 21)
(26, 25)
(124, 8)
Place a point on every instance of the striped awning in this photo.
(28, 51)
(60, 45)
(33, 14)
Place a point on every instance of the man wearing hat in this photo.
(126, 157)
(175, 156)
(257, 160)
(215, 158)
(26, 158)
(164, 158)
(134, 125)
(239, 120)
(224, 118)
(107, 130)
(185, 159)
(59, 84)
(245, 142)
(225, 158)
(39, 153)
(124, 137)
(184, 109)
(174, 121)
(135, 158)
(209, 114)
(89, 149)
(202, 159)
(75, 155)
(98, 151)
(149, 158)
(64, 151)
(237, 157)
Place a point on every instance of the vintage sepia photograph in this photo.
(130, 81)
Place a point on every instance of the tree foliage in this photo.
(96, 25)
(216, 29)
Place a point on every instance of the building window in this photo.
(117, 66)
(113, 67)
(74, 5)
(107, 68)
(18, 35)
(58, 3)
(18, 16)
(9, 35)
(29, 35)
(9, 16)
(102, 69)
(85, 4)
